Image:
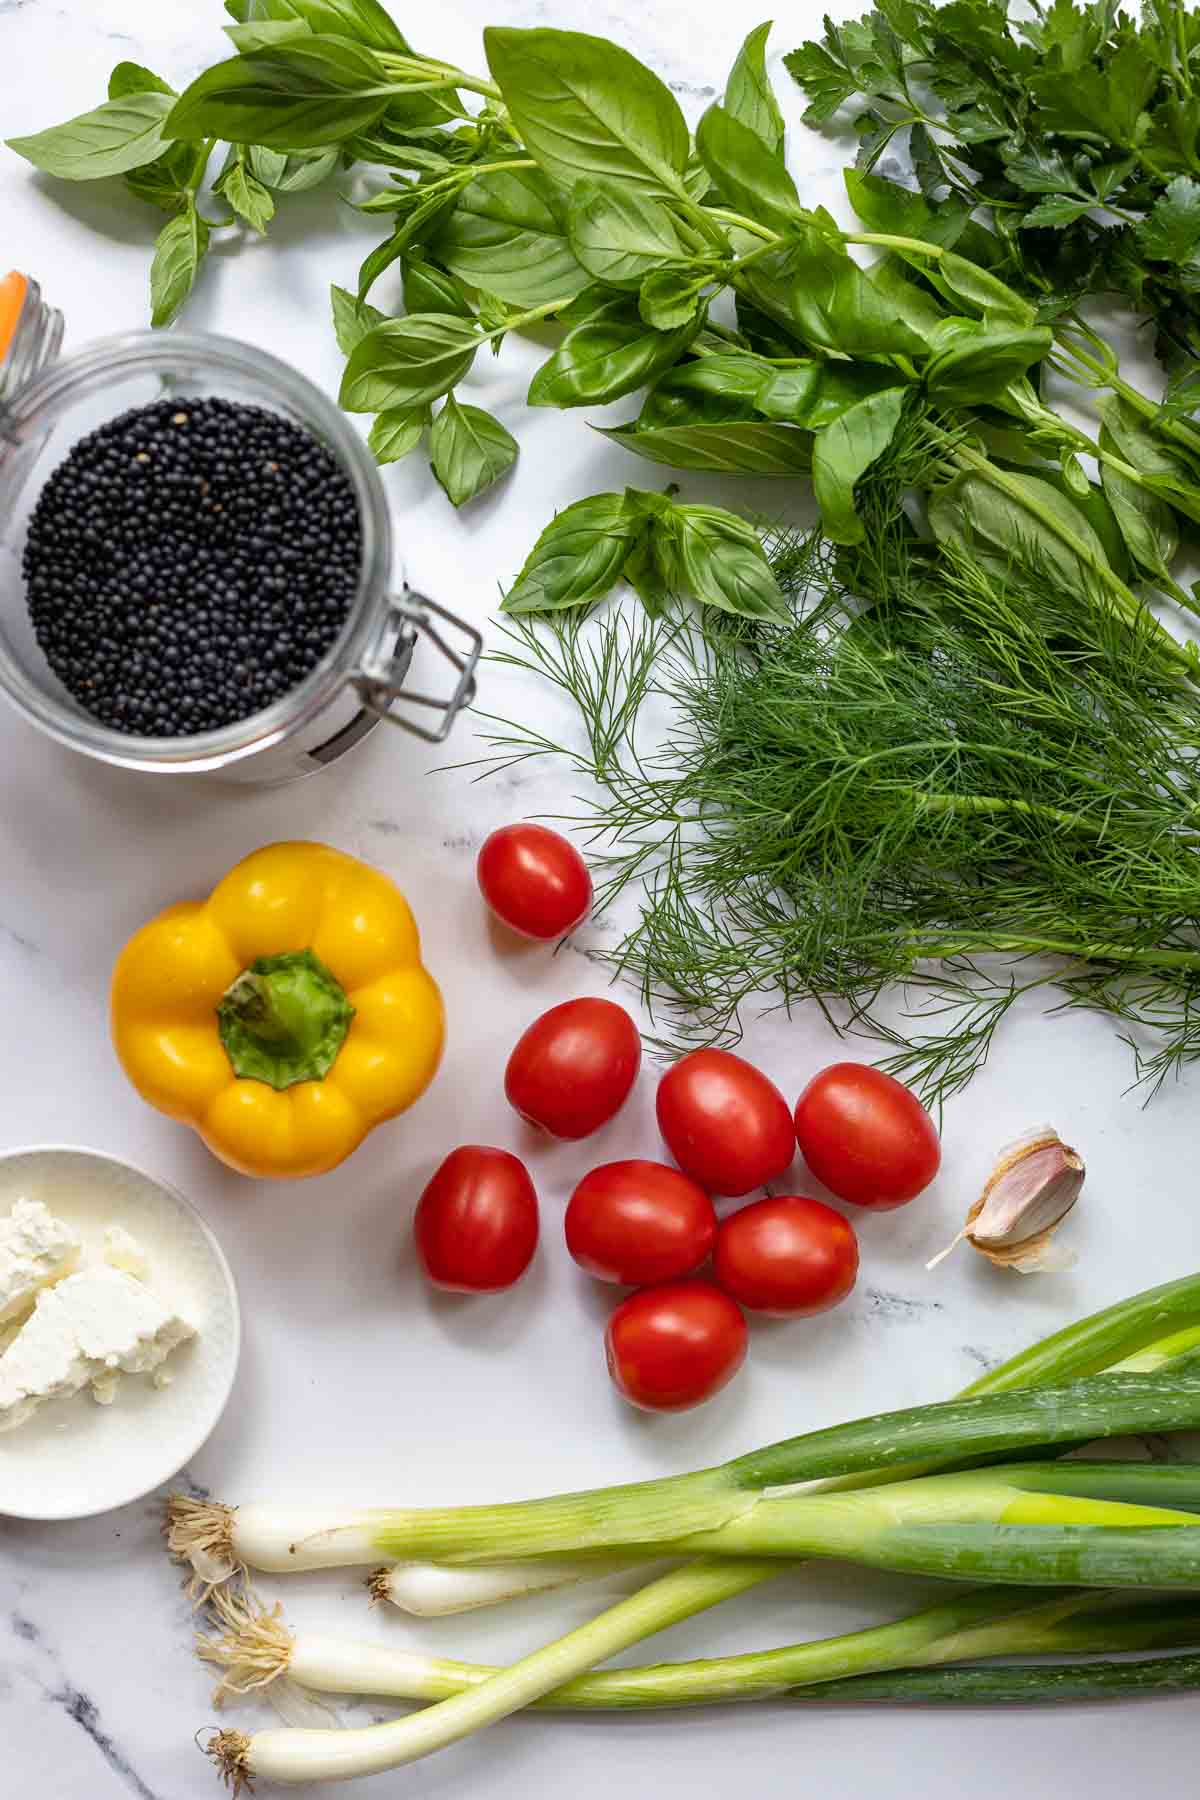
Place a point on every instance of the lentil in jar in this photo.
(190, 562)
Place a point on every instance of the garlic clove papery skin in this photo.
(1034, 1185)
(1029, 1193)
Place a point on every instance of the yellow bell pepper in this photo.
(283, 1017)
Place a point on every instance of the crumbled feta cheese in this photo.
(91, 1327)
(35, 1250)
(122, 1251)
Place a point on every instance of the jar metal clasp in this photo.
(380, 680)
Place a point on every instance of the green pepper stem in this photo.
(284, 1019)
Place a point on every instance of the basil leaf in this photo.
(179, 250)
(585, 107)
(419, 209)
(377, 260)
(405, 197)
(842, 454)
(1074, 478)
(162, 183)
(1095, 507)
(579, 556)
(301, 95)
(408, 362)
(979, 366)
(133, 78)
(1138, 445)
(733, 447)
(126, 133)
(972, 511)
(247, 196)
(967, 282)
(696, 179)
(393, 154)
(819, 293)
(759, 333)
(721, 562)
(814, 394)
(165, 182)
(425, 211)
(397, 431)
(366, 21)
(469, 449)
(645, 577)
(352, 319)
(589, 303)
(671, 297)
(706, 391)
(290, 173)
(430, 289)
(749, 97)
(752, 177)
(606, 356)
(892, 277)
(1147, 525)
(493, 315)
(507, 234)
(620, 234)
(264, 34)
(1167, 472)
(885, 206)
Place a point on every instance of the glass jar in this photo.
(47, 405)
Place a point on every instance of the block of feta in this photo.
(89, 1328)
(36, 1249)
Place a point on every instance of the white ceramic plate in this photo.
(74, 1458)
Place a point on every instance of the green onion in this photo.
(647, 1515)
(256, 1648)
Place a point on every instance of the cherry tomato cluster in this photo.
(681, 1336)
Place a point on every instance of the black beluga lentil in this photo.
(189, 562)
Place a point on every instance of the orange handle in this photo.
(13, 289)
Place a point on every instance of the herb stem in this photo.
(976, 942)
(886, 240)
(200, 163)
(1105, 375)
(1126, 599)
(727, 217)
(545, 311)
(446, 73)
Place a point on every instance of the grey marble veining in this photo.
(355, 1382)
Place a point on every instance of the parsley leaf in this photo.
(1171, 230)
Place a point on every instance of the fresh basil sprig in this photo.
(661, 546)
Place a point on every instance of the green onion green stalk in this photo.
(1013, 1686)
(256, 1648)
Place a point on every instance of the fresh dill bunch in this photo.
(945, 776)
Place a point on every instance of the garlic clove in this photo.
(1032, 1188)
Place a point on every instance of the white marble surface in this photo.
(355, 1382)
